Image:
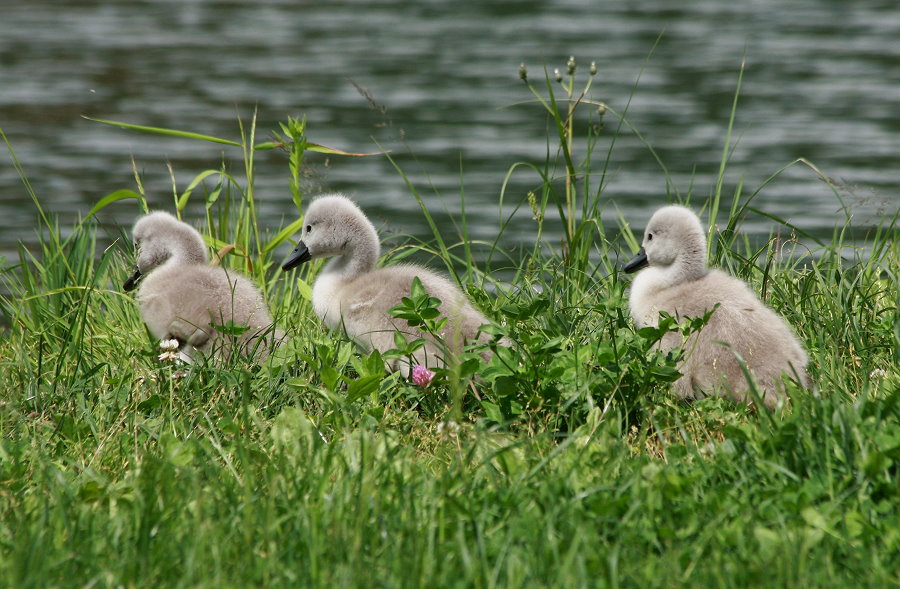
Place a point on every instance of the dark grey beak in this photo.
(637, 262)
(132, 281)
(298, 256)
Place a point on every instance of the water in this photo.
(822, 81)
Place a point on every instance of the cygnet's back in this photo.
(181, 297)
(678, 282)
(351, 293)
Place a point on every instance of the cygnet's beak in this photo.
(132, 280)
(298, 256)
(637, 262)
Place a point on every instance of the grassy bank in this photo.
(565, 463)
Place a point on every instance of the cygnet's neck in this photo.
(186, 254)
(688, 266)
(689, 263)
(359, 257)
(651, 282)
(183, 259)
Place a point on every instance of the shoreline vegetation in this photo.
(564, 461)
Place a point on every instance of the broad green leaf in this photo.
(182, 200)
(230, 328)
(307, 146)
(492, 411)
(362, 386)
(218, 244)
(163, 131)
(304, 289)
(283, 235)
(111, 198)
(323, 149)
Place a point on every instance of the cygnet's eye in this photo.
(649, 237)
(308, 228)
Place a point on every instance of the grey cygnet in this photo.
(678, 282)
(182, 297)
(352, 294)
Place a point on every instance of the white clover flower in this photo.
(168, 345)
(170, 352)
(448, 429)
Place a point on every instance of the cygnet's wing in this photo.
(185, 331)
(368, 303)
(174, 303)
(746, 327)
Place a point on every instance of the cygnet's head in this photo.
(159, 237)
(334, 226)
(673, 235)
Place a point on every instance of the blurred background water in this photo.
(822, 82)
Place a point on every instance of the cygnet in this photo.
(182, 297)
(678, 282)
(352, 294)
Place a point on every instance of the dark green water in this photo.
(822, 81)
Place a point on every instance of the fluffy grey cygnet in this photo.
(678, 282)
(351, 293)
(181, 296)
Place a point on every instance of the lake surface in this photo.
(822, 81)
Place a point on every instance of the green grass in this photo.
(566, 462)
